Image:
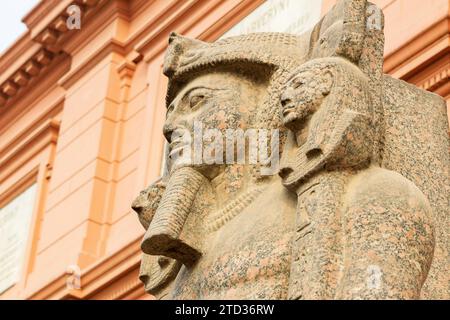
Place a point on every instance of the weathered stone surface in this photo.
(359, 206)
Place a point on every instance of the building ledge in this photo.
(101, 280)
(37, 48)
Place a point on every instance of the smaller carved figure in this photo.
(303, 95)
(357, 224)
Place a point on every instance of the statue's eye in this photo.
(170, 109)
(297, 83)
(195, 100)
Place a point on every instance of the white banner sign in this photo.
(289, 16)
(15, 219)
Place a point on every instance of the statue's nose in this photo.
(168, 130)
(286, 99)
(170, 123)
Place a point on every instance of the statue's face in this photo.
(303, 95)
(220, 100)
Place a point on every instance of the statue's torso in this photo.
(247, 257)
(262, 252)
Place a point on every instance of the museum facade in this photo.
(82, 106)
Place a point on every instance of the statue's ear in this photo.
(341, 32)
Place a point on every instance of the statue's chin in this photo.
(294, 121)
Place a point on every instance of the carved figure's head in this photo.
(303, 95)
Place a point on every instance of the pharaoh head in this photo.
(209, 105)
(226, 85)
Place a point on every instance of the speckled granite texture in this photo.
(359, 208)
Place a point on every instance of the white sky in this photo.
(11, 26)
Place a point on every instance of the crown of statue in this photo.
(185, 56)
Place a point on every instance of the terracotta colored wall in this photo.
(88, 128)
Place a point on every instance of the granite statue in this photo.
(358, 205)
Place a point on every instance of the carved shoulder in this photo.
(384, 188)
(388, 228)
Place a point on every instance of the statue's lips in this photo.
(288, 110)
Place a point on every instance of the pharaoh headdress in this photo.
(279, 53)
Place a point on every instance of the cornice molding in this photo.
(18, 187)
(47, 31)
(138, 6)
(165, 18)
(35, 88)
(425, 60)
(122, 287)
(155, 40)
(112, 46)
(421, 50)
(49, 37)
(437, 79)
(106, 12)
(39, 12)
